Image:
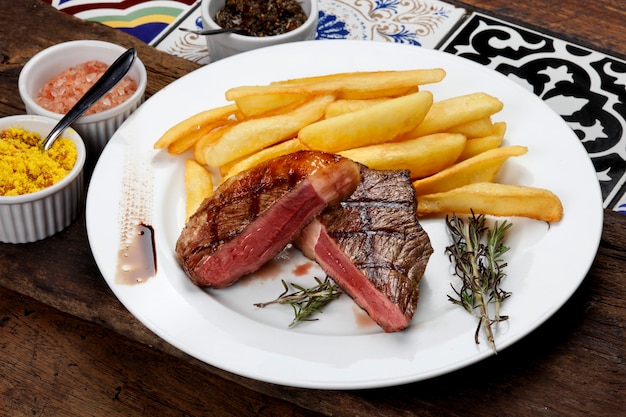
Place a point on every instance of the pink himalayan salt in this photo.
(63, 91)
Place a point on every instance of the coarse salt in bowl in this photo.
(40, 214)
(95, 129)
(227, 44)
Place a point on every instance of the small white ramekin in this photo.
(35, 216)
(95, 129)
(227, 44)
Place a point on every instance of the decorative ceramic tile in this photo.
(620, 204)
(184, 44)
(143, 19)
(415, 22)
(421, 23)
(587, 88)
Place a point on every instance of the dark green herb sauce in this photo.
(261, 17)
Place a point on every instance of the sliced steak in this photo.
(373, 247)
(252, 216)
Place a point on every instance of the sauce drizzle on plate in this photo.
(137, 259)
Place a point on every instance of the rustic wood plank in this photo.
(572, 365)
(54, 364)
(544, 365)
(30, 31)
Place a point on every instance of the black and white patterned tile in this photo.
(587, 88)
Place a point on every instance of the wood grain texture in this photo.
(53, 364)
(572, 365)
(35, 25)
(68, 347)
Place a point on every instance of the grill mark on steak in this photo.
(252, 216)
(373, 247)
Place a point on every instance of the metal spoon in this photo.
(106, 82)
(211, 31)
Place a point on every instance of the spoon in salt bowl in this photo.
(211, 31)
(103, 85)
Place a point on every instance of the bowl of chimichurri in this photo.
(261, 23)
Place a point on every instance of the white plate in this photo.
(343, 349)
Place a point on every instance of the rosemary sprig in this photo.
(306, 301)
(477, 253)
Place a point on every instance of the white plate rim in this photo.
(170, 308)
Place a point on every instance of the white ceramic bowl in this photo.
(227, 44)
(35, 216)
(95, 129)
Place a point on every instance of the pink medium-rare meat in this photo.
(373, 247)
(252, 216)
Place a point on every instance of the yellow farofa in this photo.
(25, 169)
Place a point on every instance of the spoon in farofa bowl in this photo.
(114, 74)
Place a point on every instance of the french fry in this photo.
(477, 128)
(252, 135)
(339, 107)
(422, 156)
(355, 85)
(381, 119)
(427, 76)
(186, 142)
(446, 114)
(205, 141)
(496, 200)
(256, 105)
(369, 94)
(223, 169)
(417, 77)
(284, 148)
(476, 146)
(198, 186)
(375, 124)
(499, 129)
(480, 168)
(333, 77)
(192, 125)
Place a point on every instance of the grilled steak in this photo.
(252, 216)
(373, 247)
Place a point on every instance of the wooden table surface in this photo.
(69, 348)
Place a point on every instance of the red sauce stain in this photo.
(361, 318)
(273, 268)
(302, 269)
(270, 270)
